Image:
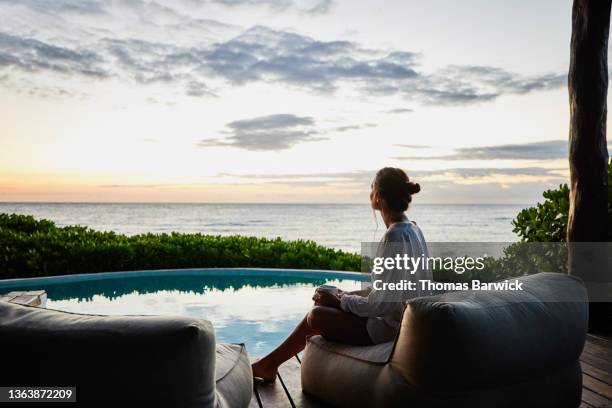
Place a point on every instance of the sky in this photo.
(281, 100)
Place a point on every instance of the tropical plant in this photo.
(547, 221)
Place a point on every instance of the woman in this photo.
(368, 316)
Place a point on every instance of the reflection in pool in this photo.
(259, 310)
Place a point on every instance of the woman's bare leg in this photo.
(331, 323)
(267, 367)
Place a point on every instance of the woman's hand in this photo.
(322, 298)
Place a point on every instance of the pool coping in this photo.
(299, 273)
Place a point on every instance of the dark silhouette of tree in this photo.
(588, 153)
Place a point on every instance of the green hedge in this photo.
(31, 247)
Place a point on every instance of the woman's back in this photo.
(406, 238)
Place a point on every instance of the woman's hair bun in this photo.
(394, 187)
(412, 188)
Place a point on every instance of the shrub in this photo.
(547, 221)
(31, 247)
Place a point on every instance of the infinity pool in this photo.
(258, 307)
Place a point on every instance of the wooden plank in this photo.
(596, 361)
(595, 372)
(272, 395)
(254, 403)
(292, 382)
(598, 349)
(599, 343)
(601, 338)
(597, 386)
(595, 399)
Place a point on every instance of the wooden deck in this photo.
(596, 362)
(286, 391)
(596, 380)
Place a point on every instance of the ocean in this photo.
(341, 226)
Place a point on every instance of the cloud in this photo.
(36, 56)
(305, 6)
(268, 133)
(77, 7)
(489, 171)
(143, 186)
(482, 175)
(142, 61)
(455, 185)
(262, 54)
(255, 55)
(399, 111)
(412, 146)
(504, 80)
(33, 88)
(278, 121)
(275, 132)
(347, 128)
(198, 89)
(462, 85)
(302, 6)
(548, 150)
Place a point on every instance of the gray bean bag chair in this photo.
(465, 349)
(138, 361)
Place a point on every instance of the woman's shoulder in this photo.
(402, 231)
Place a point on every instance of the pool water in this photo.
(257, 307)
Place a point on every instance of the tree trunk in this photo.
(588, 152)
(588, 157)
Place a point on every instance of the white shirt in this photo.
(400, 238)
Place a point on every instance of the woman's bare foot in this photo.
(264, 370)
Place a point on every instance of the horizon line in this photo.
(241, 203)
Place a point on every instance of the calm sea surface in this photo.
(342, 226)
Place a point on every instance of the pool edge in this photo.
(304, 273)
